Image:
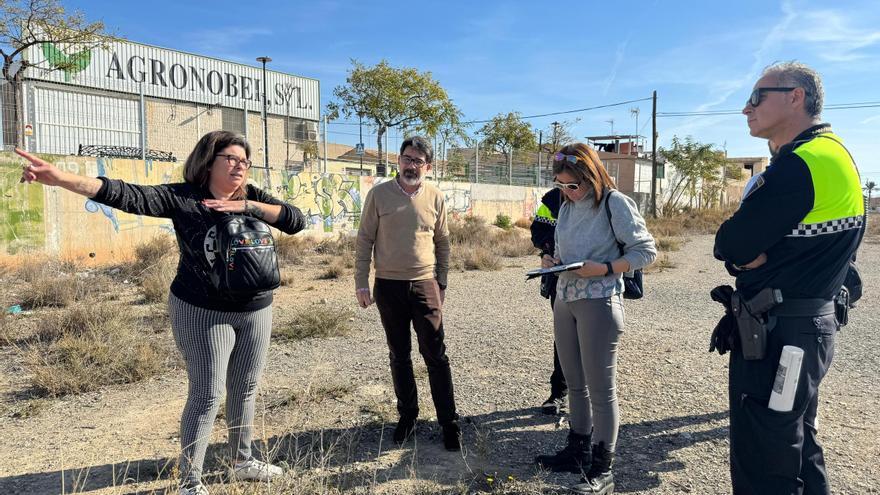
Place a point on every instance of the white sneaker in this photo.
(195, 490)
(255, 470)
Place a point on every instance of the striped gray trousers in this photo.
(223, 351)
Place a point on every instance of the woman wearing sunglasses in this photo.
(588, 316)
(224, 338)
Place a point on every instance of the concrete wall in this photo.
(35, 218)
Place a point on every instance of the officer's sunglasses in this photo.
(757, 95)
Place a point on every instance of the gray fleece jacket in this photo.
(584, 233)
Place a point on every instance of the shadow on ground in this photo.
(495, 445)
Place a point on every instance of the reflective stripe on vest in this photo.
(837, 199)
(544, 215)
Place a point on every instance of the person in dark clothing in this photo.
(796, 231)
(223, 339)
(543, 229)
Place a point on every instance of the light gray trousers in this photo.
(223, 351)
(587, 332)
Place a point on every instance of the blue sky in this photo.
(536, 57)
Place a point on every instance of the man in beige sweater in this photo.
(403, 230)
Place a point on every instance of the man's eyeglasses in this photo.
(757, 95)
(572, 159)
(233, 161)
(571, 186)
(408, 160)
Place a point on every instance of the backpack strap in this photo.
(608, 193)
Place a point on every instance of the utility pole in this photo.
(263, 60)
(540, 152)
(654, 155)
(361, 139)
(325, 144)
(477, 160)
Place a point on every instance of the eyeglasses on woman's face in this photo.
(571, 186)
(233, 161)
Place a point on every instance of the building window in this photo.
(233, 120)
(300, 130)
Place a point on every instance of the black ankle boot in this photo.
(574, 458)
(405, 428)
(598, 480)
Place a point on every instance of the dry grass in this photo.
(470, 257)
(154, 267)
(288, 277)
(662, 263)
(49, 289)
(78, 320)
(293, 249)
(336, 267)
(468, 230)
(106, 351)
(523, 223)
(477, 246)
(156, 279)
(151, 253)
(872, 234)
(315, 394)
(513, 243)
(668, 244)
(316, 321)
(688, 222)
(342, 245)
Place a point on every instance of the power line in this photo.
(837, 106)
(550, 114)
(564, 112)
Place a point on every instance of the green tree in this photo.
(387, 97)
(698, 171)
(507, 133)
(870, 187)
(310, 151)
(66, 39)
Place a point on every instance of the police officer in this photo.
(543, 229)
(796, 231)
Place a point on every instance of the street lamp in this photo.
(263, 60)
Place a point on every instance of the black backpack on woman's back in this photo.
(246, 262)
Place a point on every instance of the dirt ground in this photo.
(326, 403)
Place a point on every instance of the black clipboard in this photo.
(554, 269)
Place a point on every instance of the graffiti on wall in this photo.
(332, 201)
(21, 210)
(458, 199)
(127, 170)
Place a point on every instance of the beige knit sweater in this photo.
(407, 237)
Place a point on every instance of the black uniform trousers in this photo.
(558, 387)
(777, 452)
(400, 303)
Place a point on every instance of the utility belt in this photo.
(746, 322)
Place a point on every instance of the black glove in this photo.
(722, 339)
(725, 331)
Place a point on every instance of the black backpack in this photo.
(246, 262)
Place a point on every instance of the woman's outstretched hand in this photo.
(39, 170)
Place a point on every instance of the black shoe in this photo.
(405, 428)
(598, 480)
(554, 405)
(574, 458)
(452, 437)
